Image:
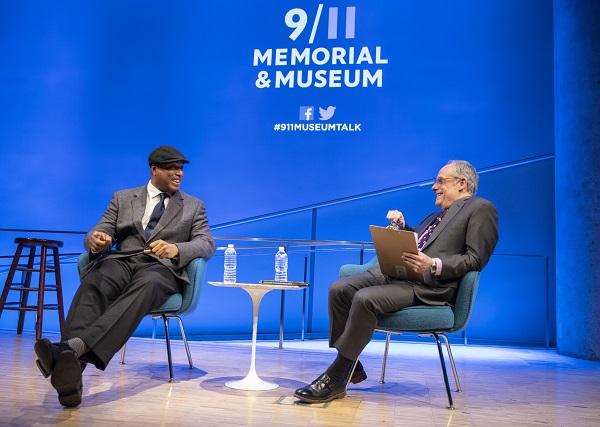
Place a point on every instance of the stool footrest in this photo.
(16, 306)
(21, 287)
(34, 270)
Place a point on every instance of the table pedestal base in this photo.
(251, 382)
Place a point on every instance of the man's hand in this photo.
(396, 217)
(163, 249)
(98, 241)
(419, 263)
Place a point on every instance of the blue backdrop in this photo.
(90, 88)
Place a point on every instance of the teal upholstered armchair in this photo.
(176, 306)
(427, 320)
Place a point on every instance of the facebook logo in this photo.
(307, 113)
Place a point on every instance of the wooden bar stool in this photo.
(25, 286)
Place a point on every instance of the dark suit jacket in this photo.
(183, 223)
(464, 241)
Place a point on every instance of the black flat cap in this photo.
(166, 154)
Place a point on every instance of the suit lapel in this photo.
(138, 204)
(175, 205)
(425, 223)
(452, 211)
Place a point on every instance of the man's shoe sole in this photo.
(307, 399)
(43, 351)
(66, 379)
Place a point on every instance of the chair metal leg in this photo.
(452, 364)
(123, 353)
(388, 335)
(166, 322)
(351, 373)
(303, 310)
(185, 342)
(443, 363)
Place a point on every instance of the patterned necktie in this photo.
(156, 214)
(426, 234)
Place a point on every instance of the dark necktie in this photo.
(426, 234)
(156, 214)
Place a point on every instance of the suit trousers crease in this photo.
(354, 304)
(111, 301)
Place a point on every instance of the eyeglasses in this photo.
(440, 180)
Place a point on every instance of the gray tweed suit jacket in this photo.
(183, 223)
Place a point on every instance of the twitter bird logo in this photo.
(326, 113)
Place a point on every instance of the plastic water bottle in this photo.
(230, 264)
(281, 265)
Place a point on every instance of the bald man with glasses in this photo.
(458, 238)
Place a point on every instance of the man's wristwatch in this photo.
(433, 268)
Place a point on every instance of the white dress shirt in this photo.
(152, 200)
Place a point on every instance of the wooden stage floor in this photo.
(502, 386)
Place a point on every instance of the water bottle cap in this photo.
(230, 245)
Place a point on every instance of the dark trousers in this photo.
(354, 303)
(111, 301)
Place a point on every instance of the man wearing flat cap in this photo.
(138, 250)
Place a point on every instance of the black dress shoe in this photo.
(66, 378)
(323, 389)
(359, 374)
(47, 353)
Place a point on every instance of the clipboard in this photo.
(389, 245)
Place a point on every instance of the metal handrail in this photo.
(246, 239)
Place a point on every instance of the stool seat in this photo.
(30, 241)
(24, 286)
